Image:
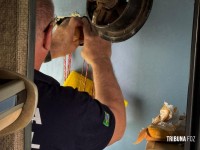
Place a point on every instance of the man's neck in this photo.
(40, 55)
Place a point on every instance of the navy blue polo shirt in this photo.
(69, 119)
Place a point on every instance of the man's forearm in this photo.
(106, 86)
(108, 92)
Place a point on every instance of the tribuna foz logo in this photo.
(180, 138)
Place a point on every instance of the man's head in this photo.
(44, 15)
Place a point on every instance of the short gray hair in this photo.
(44, 13)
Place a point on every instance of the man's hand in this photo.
(95, 48)
(65, 39)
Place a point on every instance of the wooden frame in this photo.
(30, 64)
(193, 107)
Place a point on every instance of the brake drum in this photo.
(118, 20)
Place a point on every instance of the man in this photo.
(68, 119)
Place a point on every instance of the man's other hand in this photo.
(65, 39)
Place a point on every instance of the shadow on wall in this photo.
(137, 109)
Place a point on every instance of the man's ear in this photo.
(47, 38)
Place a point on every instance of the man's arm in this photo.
(108, 92)
(97, 53)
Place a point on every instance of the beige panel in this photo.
(13, 52)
